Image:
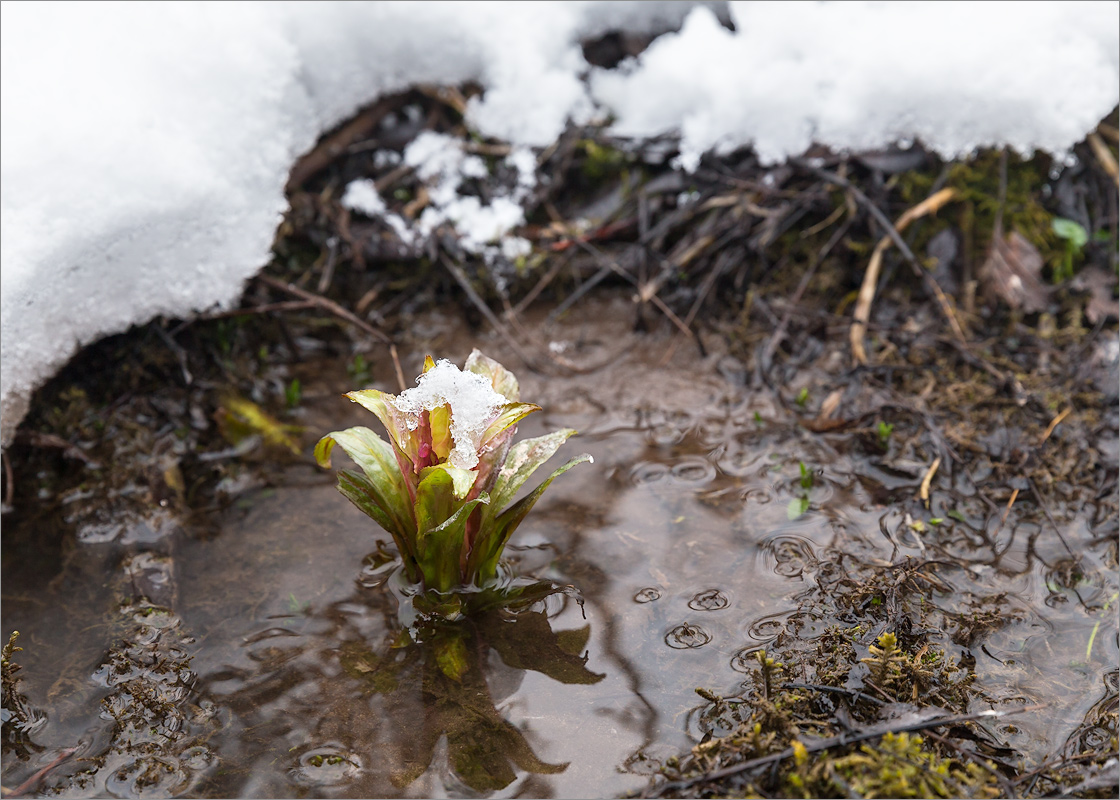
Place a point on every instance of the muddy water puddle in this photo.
(258, 654)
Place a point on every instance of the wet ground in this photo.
(251, 648)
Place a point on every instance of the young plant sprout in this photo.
(444, 483)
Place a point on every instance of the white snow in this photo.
(862, 75)
(472, 400)
(144, 148)
(361, 195)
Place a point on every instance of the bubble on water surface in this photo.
(148, 777)
(647, 595)
(645, 472)
(792, 555)
(329, 765)
(687, 636)
(709, 600)
(695, 471)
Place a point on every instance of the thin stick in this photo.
(780, 331)
(9, 479)
(31, 782)
(342, 313)
(545, 280)
(1007, 510)
(461, 278)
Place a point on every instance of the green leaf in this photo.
(435, 499)
(381, 404)
(797, 506)
(359, 491)
(492, 538)
(379, 462)
(461, 479)
(958, 516)
(1070, 231)
(501, 379)
(510, 415)
(440, 549)
(806, 476)
(522, 461)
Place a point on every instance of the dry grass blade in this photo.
(1054, 424)
(871, 275)
(1104, 156)
(927, 479)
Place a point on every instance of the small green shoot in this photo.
(295, 607)
(800, 504)
(1075, 238)
(885, 431)
(802, 397)
(806, 476)
(293, 393)
(1097, 627)
(358, 369)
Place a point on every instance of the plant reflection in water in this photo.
(434, 674)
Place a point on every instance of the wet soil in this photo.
(242, 652)
(928, 535)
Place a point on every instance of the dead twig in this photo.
(461, 279)
(862, 311)
(545, 280)
(337, 143)
(33, 781)
(69, 449)
(893, 233)
(822, 254)
(342, 313)
(9, 479)
(610, 265)
(1006, 511)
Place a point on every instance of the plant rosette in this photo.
(443, 485)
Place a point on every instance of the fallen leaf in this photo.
(1101, 286)
(1012, 274)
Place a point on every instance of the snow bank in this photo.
(144, 147)
(860, 75)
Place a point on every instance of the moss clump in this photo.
(899, 765)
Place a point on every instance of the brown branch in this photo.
(342, 313)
